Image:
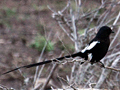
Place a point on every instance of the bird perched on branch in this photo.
(95, 50)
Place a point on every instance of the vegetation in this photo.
(40, 42)
(24, 26)
(6, 14)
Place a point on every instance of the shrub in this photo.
(40, 42)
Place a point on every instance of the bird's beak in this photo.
(112, 31)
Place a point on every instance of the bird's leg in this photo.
(102, 65)
(92, 62)
(81, 62)
(84, 59)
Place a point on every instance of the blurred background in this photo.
(37, 30)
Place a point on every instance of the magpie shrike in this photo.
(95, 50)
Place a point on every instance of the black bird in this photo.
(94, 51)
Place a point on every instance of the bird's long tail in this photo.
(46, 62)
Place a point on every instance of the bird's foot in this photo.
(91, 63)
(102, 65)
(81, 62)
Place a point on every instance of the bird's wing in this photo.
(90, 46)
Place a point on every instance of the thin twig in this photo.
(37, 68)
(117, 18)
(118, 70)
(115, 37)
(49, 76)
(63, 45)
(67, 83)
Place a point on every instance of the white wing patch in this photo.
(90, 56)
(89, 47)
(84, 49)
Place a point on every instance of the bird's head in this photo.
(104, 32)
